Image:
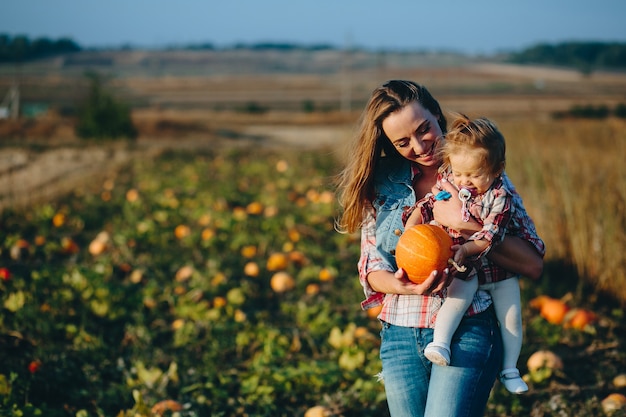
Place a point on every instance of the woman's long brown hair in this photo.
(356, 181)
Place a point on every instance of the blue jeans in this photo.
(416, 388)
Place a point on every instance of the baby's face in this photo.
(469, 171)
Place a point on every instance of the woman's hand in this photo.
(398, 282)
(448, 212)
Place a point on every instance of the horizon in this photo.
(485, 28)
(286, 45)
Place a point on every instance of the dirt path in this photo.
(31, 176)
(28, 177)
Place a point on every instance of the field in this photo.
(197, 272)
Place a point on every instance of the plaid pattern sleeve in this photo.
(494, 209)
(522, 225)
(370, 259)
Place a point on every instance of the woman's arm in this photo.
(513, 254)
(376, 274)
(517, 255)
(398, 283)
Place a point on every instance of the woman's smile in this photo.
(429, 153)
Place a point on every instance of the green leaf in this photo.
(15, 301)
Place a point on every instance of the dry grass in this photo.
(572, 177)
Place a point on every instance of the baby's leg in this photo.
(506, 300)
(458, 300)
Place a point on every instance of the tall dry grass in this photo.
(572, 178)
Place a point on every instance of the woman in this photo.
(394, 164)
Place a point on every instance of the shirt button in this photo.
(397, 232)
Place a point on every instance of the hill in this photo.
(251, 80)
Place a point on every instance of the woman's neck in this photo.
(430, 171)
(424, 182)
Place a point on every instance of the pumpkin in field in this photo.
(579, 318)
(423, 249)
(613, 402)
(554, 311)
(544, 359)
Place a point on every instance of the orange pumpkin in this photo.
(422, 249)
(613, 402)
(538, 302)
(554, 311)
(579, 318)
(162, 407)
(373, 312)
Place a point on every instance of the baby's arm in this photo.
(420, 213)
(468, 249)
(414, 219)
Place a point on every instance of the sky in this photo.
(470, 26)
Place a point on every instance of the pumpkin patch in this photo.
(191, 303)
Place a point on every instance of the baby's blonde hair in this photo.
(480, 133)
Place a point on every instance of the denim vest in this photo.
(393, 194)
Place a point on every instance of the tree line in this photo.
(584, 56)
(20, 48)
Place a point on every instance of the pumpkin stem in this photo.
(460, 268)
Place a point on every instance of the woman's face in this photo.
(415, 133)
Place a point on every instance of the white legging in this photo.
(507, 304)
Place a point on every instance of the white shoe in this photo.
(512, 381)
(438, 353)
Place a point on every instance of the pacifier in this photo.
(464, 195)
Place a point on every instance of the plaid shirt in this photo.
(421, 310)
(401, 310)
(494, 210)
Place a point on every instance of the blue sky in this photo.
(470, 26)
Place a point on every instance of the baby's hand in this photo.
(460, 253)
